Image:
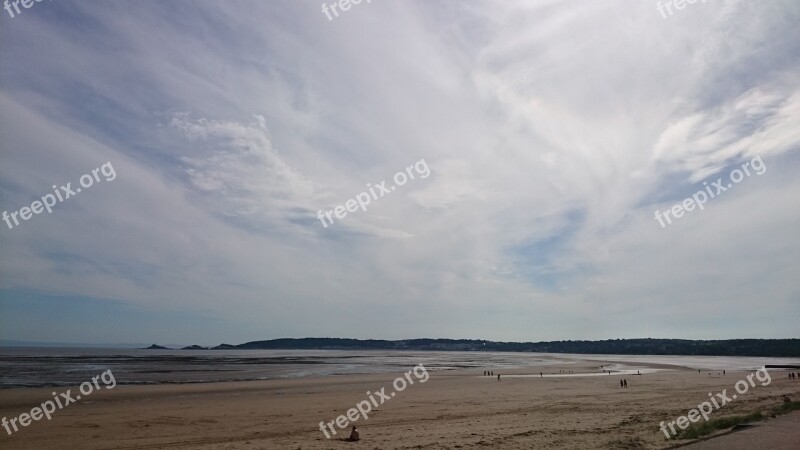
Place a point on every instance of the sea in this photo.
(39, 367)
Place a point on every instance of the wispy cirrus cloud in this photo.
(553, 130)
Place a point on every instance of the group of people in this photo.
(709, 372)
(793, 376)
(490, 373)
(623, 383)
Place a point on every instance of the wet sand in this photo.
(453, 409)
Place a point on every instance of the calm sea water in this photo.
(32, 367)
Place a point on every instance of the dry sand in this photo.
(453, 409)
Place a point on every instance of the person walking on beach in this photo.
(498, 377)
(620, 384)
(626, 383)
(540, 375)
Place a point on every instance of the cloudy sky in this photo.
(552, 130)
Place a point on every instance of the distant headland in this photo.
(645, 346)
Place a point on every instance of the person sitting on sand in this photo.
(353, 435)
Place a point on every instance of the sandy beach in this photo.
(453, 409)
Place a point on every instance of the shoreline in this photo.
(142, 369)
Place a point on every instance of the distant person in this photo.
(626, 382)
(353, 435)
(620, 384)
(498, 377)
(541, 375)
(638, 373)
(723, 372)
(484, 373)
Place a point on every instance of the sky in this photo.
(542, 136)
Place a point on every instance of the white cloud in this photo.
(552, 130)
